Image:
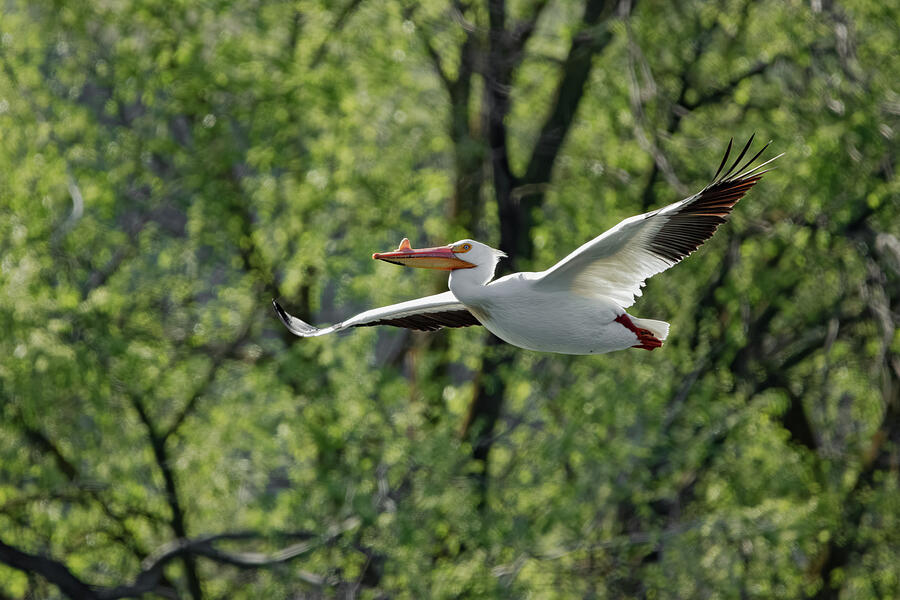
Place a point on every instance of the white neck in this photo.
(468, 283)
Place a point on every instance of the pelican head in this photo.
(464, 254)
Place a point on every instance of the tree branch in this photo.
(150, 577)
(42, 442)
(205, 546)
(339, 23)
(191, 404)
(521, 33)
(152, 574)
(436, 59)
(726, 89)
(840, 547)
(177, 521)
(591, 40)
(52, 570)
(681, 108)
(85, 486)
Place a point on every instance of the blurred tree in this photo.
(168, 167)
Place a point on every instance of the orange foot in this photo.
(647, 340)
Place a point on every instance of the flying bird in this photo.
(577, 306)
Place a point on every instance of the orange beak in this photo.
(425, 258)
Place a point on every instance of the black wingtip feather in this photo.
(697, 219)
(738, 159)
(743, 169)
(724, 159)
(279, 310)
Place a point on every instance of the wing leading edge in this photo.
(423, 314)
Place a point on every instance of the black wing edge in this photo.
(698, 218)
(293, 324)
(429, 321)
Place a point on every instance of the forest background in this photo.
(167, 167)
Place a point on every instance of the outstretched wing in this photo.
(425, 314)
(617, 263)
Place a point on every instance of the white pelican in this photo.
(577, 306)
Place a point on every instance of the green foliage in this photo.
(169, 167)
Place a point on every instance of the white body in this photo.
(520, 312)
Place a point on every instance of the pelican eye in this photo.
(463, 248)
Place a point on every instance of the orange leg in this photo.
(647, 340)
